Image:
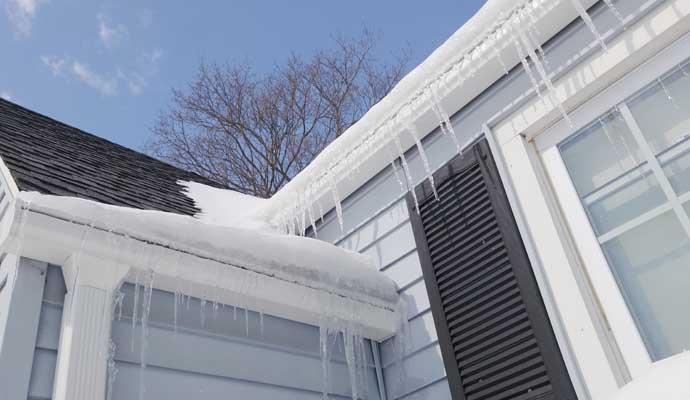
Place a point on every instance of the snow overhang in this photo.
(296, 278)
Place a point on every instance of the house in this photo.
(520, 200)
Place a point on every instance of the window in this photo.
(631, 171)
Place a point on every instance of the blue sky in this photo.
(107, 67)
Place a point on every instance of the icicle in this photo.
(336, 199)
(553, 95)
(348, 339)
(445, 124)
(112, 369)
(261, 323)
(202, 312)
(303, 219)
(615, 11)
(135, 306)
(234, 313)
(118, 299)
(394, 167)
(312, 221)
(590, 24)
(318, 202)
(412, 130)
(246, 321)
(146, 311)
(406, 169)
(497, 55)
(176, 300)
(668, 94)
(527, 68)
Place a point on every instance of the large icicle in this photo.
(553, 95)
(444, 120)
(336, 199)
(590, 24)
(412, 130)
(324, 333)
(405, 167)
(145, 313)
(497, 55)
(349, 343)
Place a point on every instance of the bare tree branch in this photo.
(254, 133)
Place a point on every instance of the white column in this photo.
(81, 372)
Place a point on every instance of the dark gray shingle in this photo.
(50, 157)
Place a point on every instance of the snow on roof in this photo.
(457, 67)
(227, 207)
(308, 261)
(667, 379)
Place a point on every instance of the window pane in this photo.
(632, 199)
(602, 162)
(652, 266)
(663, 111)
(601, 153)
(677, 170)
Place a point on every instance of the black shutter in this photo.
(496, 338)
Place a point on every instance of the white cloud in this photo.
(134, 81)
(111, 35)
(21, 14)
(54, 63)
(135, 78)
(6, 95)
(105, 85)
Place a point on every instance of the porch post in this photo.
(86, 322)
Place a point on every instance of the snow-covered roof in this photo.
(472, 59)
(311, 262)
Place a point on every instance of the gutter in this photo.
(49, 236)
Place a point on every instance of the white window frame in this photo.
(619, 317)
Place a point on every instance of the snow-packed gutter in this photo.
(476, 47)
(57, 229)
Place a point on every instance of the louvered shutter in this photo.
(495, 336)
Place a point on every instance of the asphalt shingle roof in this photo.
(50, 157)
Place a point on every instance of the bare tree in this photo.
(254, 132)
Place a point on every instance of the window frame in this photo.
(588, 246)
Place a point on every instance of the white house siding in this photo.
(219, 359)
(377, 223)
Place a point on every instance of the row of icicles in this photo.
(517, 29)
(333, 332)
